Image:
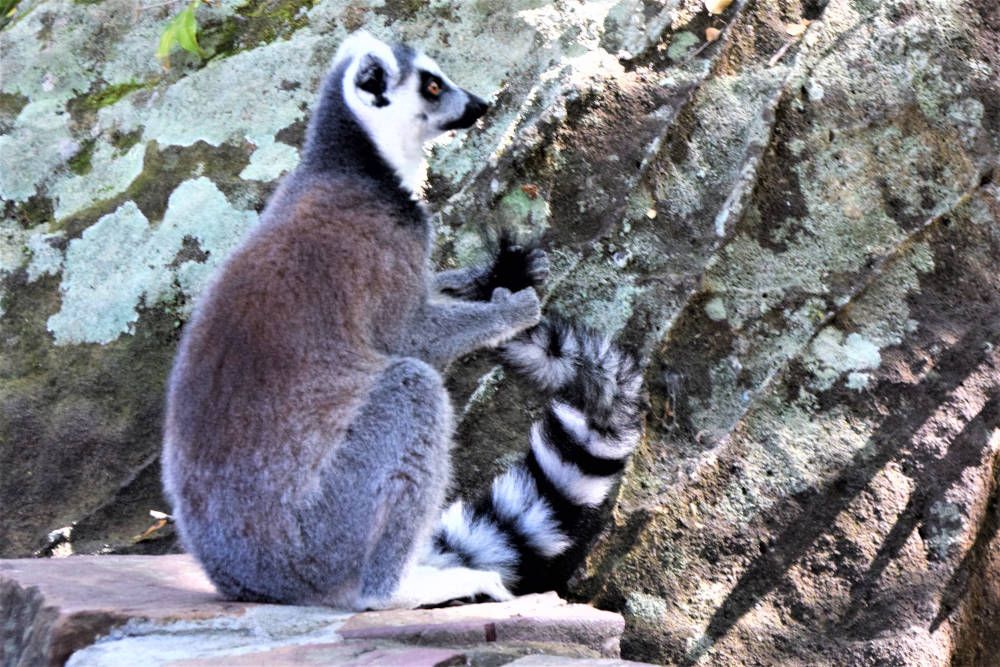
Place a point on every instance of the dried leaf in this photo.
(717, 6)
(152, 530)
(712, 34)
(797, 29)
(531, 190)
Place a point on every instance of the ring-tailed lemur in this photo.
(307, 430)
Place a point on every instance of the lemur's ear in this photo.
(372, 77)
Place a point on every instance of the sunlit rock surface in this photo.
(797, 225)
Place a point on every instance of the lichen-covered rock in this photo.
(790, 209)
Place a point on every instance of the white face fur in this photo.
(401, 115)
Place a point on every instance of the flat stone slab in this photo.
(105, 610)
(538, 618)
(343, 654)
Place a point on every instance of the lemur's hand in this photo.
(514, 267)
(523, 307)
(537, 265)
(517, 266)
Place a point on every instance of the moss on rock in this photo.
(80, 164)
(254, 24)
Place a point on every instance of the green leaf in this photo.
(167, 41)
(182, 30)
(187, 31)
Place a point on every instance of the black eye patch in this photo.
(431, 86)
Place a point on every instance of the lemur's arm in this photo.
(446, 329)
(514, 267)
(457, 282)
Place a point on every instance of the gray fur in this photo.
(307, 431)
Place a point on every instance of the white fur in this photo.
(399, 129)
(548, 373)
(532, 358)
(479, 538)
(614, 448)
(426, 584)
(360, 43)
(516, 499)
(580, 488)
(575, 423)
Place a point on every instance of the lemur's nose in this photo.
(476, 107)
(473, 111)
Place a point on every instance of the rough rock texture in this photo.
(800, 233)
(107, 610)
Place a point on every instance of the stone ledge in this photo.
(107, 609)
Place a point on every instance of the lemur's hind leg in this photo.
(401, 440)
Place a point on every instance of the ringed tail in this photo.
(537, 518)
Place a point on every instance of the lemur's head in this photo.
(401, 99)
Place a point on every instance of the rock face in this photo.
(106, 610)
(790, 209)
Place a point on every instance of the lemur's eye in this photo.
(431, 86)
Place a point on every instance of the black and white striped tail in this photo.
(540, 514)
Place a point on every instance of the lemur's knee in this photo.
(413, 397)
(413, 375)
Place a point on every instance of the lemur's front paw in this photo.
(537, 261)
(518, 265)
(524, 308)
(515, 266)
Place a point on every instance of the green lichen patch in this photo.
(270, 160)
(83, 108)
(80, 164)
(123, 141)
(681, 44)
(525, 209)
(254, 24)
(602, 296)
(122, 262)
(111, 94)
(101, 174)
(274, 19)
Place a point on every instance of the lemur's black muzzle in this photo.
(474, 110)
